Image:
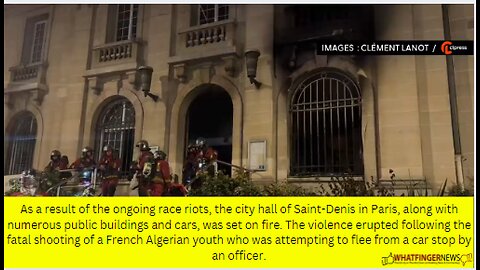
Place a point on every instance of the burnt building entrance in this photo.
(210, 116)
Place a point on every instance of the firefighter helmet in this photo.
(143, 145)
(87, 150)
(160, 155)
(55, 155)
(107, 148)
(200, 142)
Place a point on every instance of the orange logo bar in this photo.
(444, 47)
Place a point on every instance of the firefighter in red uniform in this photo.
(56, 162)
(144, 168)
(206, 158)
(190, 167)
(85, 163)
(109, 167)
(162, 180)
(210, 157)
(200, 159)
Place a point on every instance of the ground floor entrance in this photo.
(210, 116)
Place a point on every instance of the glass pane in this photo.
(207, 14)
(222, 12)
(123, 21)
(38, 41)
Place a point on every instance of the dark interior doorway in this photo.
(210, 116)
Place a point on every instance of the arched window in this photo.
(325, 117)
(21, 140)
(116, 127)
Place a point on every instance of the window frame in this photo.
(31, 22)
(294, 165)
(43, 41)
(13, 138)
(131, 35)
(216, 14)
(124, 151)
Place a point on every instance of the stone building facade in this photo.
(71, 80)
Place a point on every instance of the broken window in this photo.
(34, 41)
(203, 14)
(325, 113)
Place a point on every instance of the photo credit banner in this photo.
(239, 232)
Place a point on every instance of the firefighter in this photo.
(109, 167)
(161, 180)
(206, 158)
(200, 159)
(85, 163)
(144, 168)
(201, 149)
(210, 157)
(190, 167)
(58, 163)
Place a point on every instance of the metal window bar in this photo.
(22, 144)
(124, 111)
(304, 142)
(347, 157)
(332, 162)
(331, 97)
(117, 129)
(324, 130)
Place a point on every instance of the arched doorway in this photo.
(210, 116)
(21, 139)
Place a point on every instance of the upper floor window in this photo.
(35, 40)
(315, 21)
(318, 15)
(38, 41)
(203, 14)
(127, 22)
(122, 22)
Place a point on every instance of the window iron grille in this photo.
(325, 116)
(116, 127)
(21, 142)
